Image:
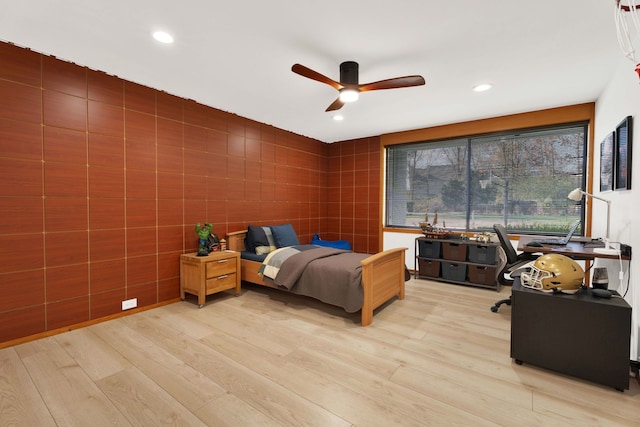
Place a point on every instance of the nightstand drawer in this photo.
(221, 283)
(221, 267)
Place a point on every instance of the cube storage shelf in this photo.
(457, 261)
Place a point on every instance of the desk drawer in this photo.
(221, 267)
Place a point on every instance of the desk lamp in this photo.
(608, 249)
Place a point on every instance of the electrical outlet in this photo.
(130, 303)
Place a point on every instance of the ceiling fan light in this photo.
(348, 95)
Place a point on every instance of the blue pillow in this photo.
(284, 235)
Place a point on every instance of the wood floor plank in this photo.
(331, 388)
(488, 408)
(258, 391)
(184, 383)
(97, 358)
(230, 411)
(232, 320)
(20, 402)
(396, 405)
(178, 316)
(144, 402)
(69, 393)
(269, 358)
(585, 409)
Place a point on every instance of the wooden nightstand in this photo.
(206, 275)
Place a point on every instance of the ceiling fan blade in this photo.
(336, 105)
(314, 75)
(398, 82)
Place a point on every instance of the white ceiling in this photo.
(237, 55)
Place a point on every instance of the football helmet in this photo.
(554, 273)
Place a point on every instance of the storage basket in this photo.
(482, 254)
(482, 275)
(454, 251)
(454, 271)
(428, 268)
(429, 248)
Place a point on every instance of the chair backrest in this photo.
(512, 255)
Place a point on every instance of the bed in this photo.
(382, 275)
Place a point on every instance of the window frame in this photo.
(575, 114)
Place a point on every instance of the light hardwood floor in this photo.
(267, 358)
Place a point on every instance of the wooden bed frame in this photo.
(382, 275)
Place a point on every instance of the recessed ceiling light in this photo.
(338, 118)
(163, 37)
(482, 87)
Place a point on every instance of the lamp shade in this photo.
(576, 194)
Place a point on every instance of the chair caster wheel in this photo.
(494, 309)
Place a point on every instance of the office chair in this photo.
(514, 262)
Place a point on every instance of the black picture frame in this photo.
(607, 150)
(623, 144)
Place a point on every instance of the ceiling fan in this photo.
(348, 85)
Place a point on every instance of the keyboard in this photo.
(560, 242)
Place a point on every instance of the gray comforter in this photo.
(329, 275)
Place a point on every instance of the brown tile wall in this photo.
(102, 182)
(353, 206)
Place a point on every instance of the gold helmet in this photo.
(554, 273)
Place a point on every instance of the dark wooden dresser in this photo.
(578, 335)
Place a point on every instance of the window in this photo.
(520, 179)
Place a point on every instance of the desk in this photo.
(575, 250)
(578, 335)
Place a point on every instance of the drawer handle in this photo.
(223, 277)
(223, 260)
